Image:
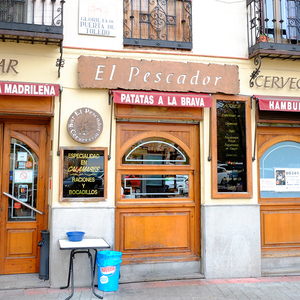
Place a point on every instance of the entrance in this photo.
(279, 193)
(23, 177)
(157, 192)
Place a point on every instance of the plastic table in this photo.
(84, 246)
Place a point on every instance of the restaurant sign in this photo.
(162, 99)
(28, 89)
(171, 76)
(271, 103)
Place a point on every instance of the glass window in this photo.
(83, 174)
(22, 181)
(155, 186)
(155, 151)
(158, 23)
(280, 171)
(231, 144)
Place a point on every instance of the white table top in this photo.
(65, 244)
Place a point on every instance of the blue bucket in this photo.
(108, 270)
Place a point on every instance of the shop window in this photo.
(158, 23)
(158, 151)
(155, 186)
(83, 174)
(280, 171)
(231, 147)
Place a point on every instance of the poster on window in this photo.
(97, 17)
(287, 179)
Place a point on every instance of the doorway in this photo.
(157, 192)
(23, 176)
(279, 190)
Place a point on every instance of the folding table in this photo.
(83, 246)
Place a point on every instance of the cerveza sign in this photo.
(162, 99)
(28, 89)
(133, 74)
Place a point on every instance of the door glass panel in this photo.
(155, 186)
(155, 151)
(280, 171)
(22, 181)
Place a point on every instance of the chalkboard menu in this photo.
(83, 173)
(231, 143)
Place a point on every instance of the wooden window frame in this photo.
(214, 163)
(87, 199)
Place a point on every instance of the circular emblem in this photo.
(85, 125)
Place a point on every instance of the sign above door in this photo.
(171, 76)
(162, 99)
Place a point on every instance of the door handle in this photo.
(23, 203)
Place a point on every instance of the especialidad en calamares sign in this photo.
(133, 74)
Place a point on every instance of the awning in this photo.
(28, 89)
(162, 98)
(272, 103)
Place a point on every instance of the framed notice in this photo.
(83, 174)
(97, 17)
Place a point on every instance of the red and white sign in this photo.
(162, 99)
(109, 270)
(279, 103)
(23, 176)
(28, 89)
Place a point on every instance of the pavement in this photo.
(194, 289)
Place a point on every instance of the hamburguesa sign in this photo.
(133, 74)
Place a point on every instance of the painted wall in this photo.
(225, 36)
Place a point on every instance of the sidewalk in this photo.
(199, 289)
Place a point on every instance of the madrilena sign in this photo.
(133, 74)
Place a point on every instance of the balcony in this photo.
(274, 28)
(32, 21)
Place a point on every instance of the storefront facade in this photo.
(169, 155)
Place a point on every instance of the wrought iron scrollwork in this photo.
(255, 73)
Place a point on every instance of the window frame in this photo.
(158, 43)
(214, 147)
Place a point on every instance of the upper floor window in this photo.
(158, 23)
(274, 22)
(38, 21)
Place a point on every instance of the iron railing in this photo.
(274, 28)
(158, 23)
(33, 17)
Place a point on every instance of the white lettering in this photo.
(196, 78)
(112, 72)
(181, 81)
(168, 77)
(131, 73)
(99, 72)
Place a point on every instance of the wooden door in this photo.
(23, 175)
(279, 190)
(157, 192)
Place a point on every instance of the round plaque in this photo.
(85, 125)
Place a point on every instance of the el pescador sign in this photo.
(133, 74)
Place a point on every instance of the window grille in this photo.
(158, 23)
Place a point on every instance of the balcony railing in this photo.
(32, 21)
(274, 28)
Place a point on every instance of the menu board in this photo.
(231, 143)
(83, 173)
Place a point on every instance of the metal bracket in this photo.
(60, 62)
(257, 62)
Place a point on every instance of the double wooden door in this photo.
(157, 192)
(23, 177)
